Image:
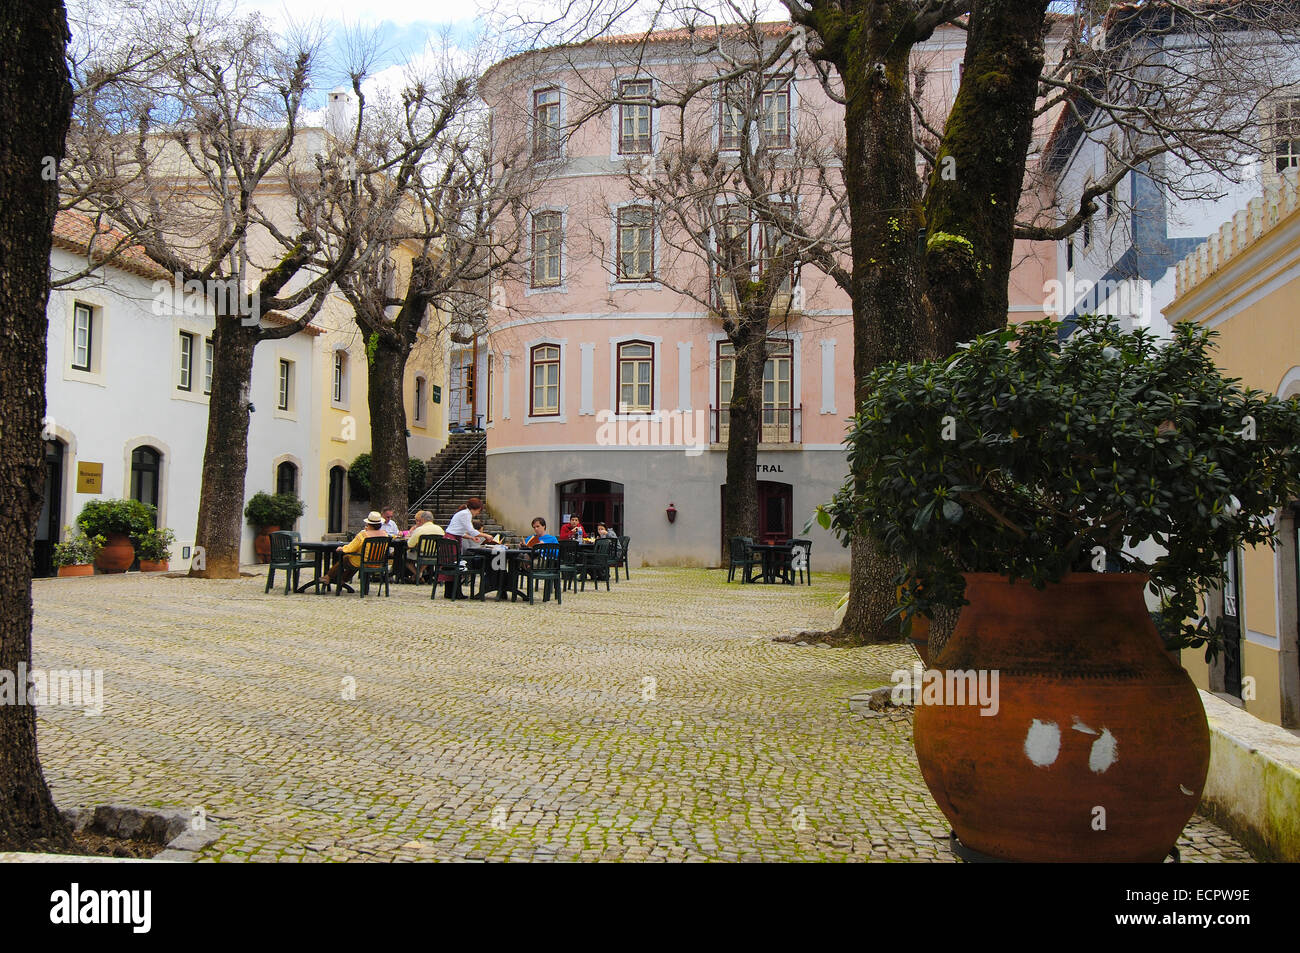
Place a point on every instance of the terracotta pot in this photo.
(262, 543)
(1099, 748)
(116, 555)
(148, 565)
(84, 569)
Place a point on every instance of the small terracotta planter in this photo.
(84, 569)
(262, 543)
(148, 565)
(117, 554)
(1099, 747)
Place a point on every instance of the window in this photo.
(545, 398)
(83, 336)
(340, 375)
(546, 124)
(207, 365)
(1112, 194)
(634, 117)
(286, 480)
(734, 254)
(636, 245)
(636, 364)
(146, 464)
(772, 242)
(286, 385)
(1069, 254)
(778, 389)
(731, 111)
(187, 362)
(775, 112)
(419, 400)
(548, 237)
(1085, 236)
(489, 387)
(1285, 135)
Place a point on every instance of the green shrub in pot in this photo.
(106, 517)
(155, 545)
(77, 550)
(1031, 456)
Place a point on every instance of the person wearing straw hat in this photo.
(346, 568)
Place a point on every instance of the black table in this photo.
(776, 558)
(503, 581)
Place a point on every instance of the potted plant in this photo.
(154, 549)
(76, 555)
(1017, 479)
(118, 521)
(268, 514)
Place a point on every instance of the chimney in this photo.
(341, 115)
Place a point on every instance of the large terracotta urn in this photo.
(262, 543)
(117, 553)
(1097, 747)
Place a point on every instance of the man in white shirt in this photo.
(389, 526)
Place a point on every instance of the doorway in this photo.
(775, 513)
(595, 501)
(49, 527)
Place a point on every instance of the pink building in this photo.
(608, 373)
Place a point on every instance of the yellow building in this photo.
(1244, 282)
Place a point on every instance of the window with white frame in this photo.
(547, 126)
(83, 336)
(773, 246)
(1085, 233)
(207, 365)
(1112, 166)
(548, 240)
(635, 117)
(636, 243)
(185, 379)
(340, 376)
(731, 117)
(284, 397)
(733, 251)
(636, 364)
(1284, 135)
(775, 113)
(544, 399)
(418, 402)
(778, 389)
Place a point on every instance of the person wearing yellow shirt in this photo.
(424, 526)
(346, 568)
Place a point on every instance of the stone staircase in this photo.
(470, 480)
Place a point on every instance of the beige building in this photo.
(1244, 282)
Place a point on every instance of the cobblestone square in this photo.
(654, 722)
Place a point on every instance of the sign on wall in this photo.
(437, 394)
(90, 477)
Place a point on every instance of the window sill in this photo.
(546, 289)
(635, 286)
(555, 419)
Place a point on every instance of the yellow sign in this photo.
(90, 477)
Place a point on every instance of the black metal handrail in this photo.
(456, 468)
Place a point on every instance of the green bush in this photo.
(418, 477)
(1053, 456)
(78, 550)
(105, 517)
(281, 510)
(155, 545)
(359, 477)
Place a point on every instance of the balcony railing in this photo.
(780, 424)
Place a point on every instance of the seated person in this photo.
(390, 526)
(539, 533)
(424, 526)
(346, 568)
(602, 531)
(572, 529)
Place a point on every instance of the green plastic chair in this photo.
(374, 562)
(743, 558)
(602, 556)
(285, 555)
(544, 565)
(426, 554)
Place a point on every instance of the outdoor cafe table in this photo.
(504, 581)
(775, 557)
(326, 554)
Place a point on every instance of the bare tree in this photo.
(184, 162)
(36, 97)
(430, 186)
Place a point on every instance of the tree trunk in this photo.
(35, 107)
(225, 458)
(885, 222)
(389, 467)
(745, 427)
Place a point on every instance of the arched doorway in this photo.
(337, 499)
(146, 465)
(775, 513)
(49, 527)
(595, 501)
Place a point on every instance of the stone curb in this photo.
(127, 821)
(1253, 786)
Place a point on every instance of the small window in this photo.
(1285, 135)
(635, 132)
(636, 378)
(1112, 165)
(636, 246)
(207, 365)
(1069, 254)
(1085, 235)
(83, 336)
(419, 400)
(545, 397)
(548, 238)
(772, 245)
(489, 387)
(731, 115)
(187, 363)
(775, 131)
(547, 131)
(284, 398)
(340, 375)
(286, 480)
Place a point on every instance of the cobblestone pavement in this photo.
(657, 721)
